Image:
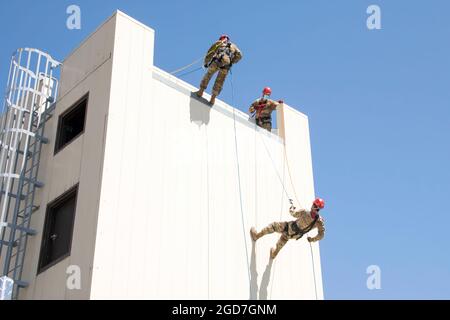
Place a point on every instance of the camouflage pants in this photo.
(213, 68)
(265, 123)
(275, 227)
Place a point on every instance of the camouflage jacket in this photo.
(304, 219)
(224, 53)
(263, 108)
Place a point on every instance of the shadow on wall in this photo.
(265, 281)
(199, 110)
(254, 278)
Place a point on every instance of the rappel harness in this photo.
(298, 232)
(221, 52)
(258, 110)
(260, 107)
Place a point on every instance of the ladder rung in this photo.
(18, 131)
(38, 184)
(13, 106)
(30, 206)
(22, 197)
(22, 284)
(43, 139)
(41, 123)
(43, 119)
(33, 210)
(22, 215)
(29, 153)
(29, 231)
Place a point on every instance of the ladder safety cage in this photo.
(30, 97)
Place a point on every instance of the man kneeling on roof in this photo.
(262, 109)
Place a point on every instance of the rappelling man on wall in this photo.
(262, 109)
(306, 221)
(220, 58)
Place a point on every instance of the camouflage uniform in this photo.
(264, 108)
(219, 60)
(304, 220)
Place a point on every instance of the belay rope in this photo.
(239, 183)
(186, 67)
(190, 65)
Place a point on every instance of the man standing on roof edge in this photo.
(263, 108)
(220, 58)
(306, 221)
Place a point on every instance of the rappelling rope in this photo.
(187, 66)
(274, 166)
(281, 215)
(208, 205)
(314, 269)
(289, 172)
(189, 72)
(239, 181)
(192, 64)
(296, 197)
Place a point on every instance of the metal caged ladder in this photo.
(29, 102)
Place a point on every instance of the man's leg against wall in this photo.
(206, 78)
(271, 228)
(280, 244)
(220, 80)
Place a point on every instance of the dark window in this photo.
(58, 230)
(71, 124)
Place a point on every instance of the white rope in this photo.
(187, 66)
(274, 166)
(239, 183)
(296, 197)
(208, 205)
(281, 216)
(290, 175)
(314, 269)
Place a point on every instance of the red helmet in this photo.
(319, 203)
(224, 36)
(267, 91)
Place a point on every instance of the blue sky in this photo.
(378, 103)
